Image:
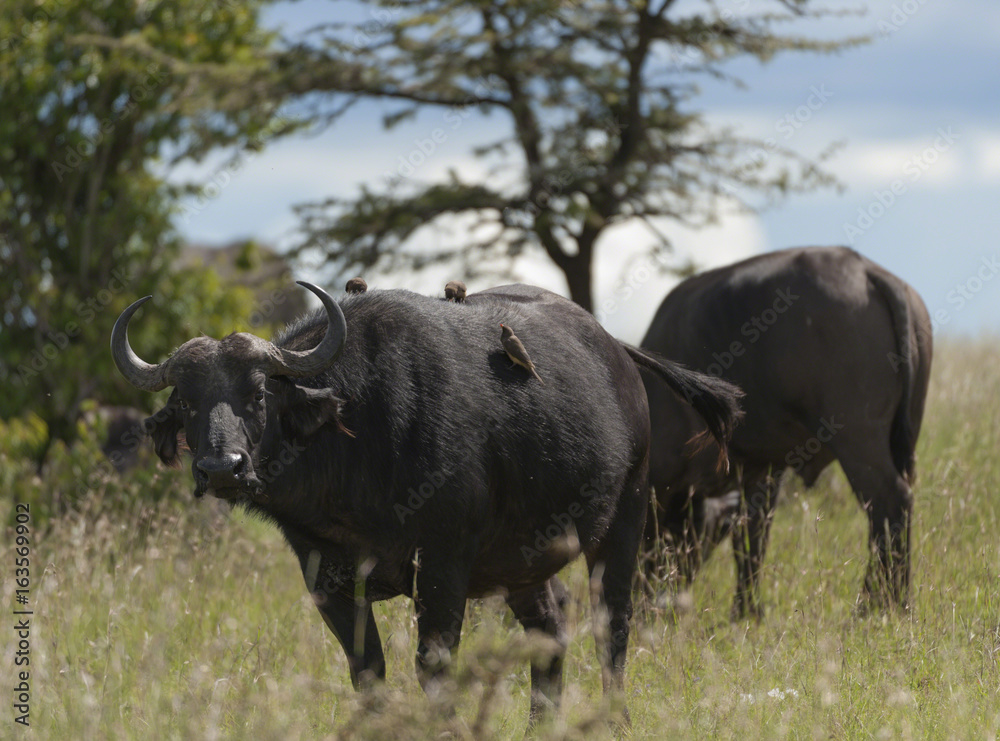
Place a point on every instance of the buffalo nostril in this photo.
(221, 471)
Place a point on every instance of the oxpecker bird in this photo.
(516, 352)
(454, 290)
(357, 285)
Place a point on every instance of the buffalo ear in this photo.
(304, 410)
(163, 427)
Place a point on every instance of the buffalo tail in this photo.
(716, 400)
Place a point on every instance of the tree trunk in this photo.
(578, 278)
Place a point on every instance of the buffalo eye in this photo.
(183, 405)
(258, 401)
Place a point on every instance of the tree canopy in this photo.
(599, 98)
(99, 100)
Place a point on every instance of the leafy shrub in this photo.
(76, 474)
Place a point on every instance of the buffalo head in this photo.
(234, 400)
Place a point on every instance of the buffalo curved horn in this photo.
(139, 373)
(295, 363)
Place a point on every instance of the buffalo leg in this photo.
(688, 539)
(350, 620)
(888, 502)
(750, 535)
(363, 647)
(614, 563)
(442, 585)
(541, 609)
(680, 522)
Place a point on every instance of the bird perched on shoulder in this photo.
(516, 352)
(454, 290)
(357, 285)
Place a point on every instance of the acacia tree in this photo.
(598, 95)
(97, 99)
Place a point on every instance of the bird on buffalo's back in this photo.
(454, 290)
(356, 285)
(516, 352)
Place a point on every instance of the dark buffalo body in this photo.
(453, 448)
(833, 354)
(420, 458)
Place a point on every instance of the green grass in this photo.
(172, 620)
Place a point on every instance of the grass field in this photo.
(175, 621)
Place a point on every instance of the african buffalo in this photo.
(833, 353)
(399, 451)
(124, 436)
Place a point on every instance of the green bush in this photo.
(22, 437)
(77, 474)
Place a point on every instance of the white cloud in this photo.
(628, 286)
(918, 24)
(988, 157)
(628, 289)
(937, 161)
(926, 149)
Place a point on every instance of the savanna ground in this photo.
(171, 620)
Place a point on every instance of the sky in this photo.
(917, 113)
